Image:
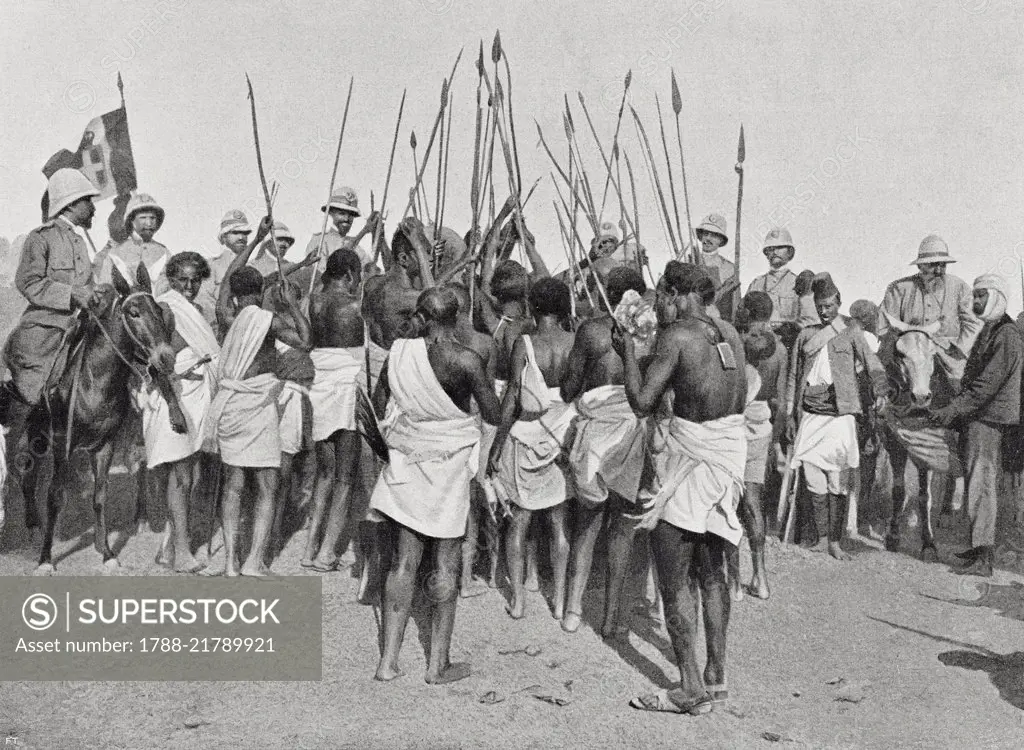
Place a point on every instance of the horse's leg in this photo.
(898, 461)
(55, 495)
(99, 464)
(924, 504)
(28, 464)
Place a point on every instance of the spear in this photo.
(570, 133)
(263, 178)
(657, 181)
(741, 154)
(615, 184)
(447, 154)
(511, 119)
(574, 268)
(641, 255)
(474, 187)
(440, 173)
(668, 166)
(615, 138)
(677, 107)
(430, 142)
(417, 190)
(387, 181)
(562, 173)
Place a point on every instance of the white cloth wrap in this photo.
(758, 417)
(830, 443)
(243, 425)
(163, 444)
(530, 473)
(699, 468)
(433, 447)
(340, 373)
(289, 407)
(607, 452)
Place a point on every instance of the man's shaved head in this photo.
(246, 281)
(438, 305)
(343, 261)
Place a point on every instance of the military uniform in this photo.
(206, 299)
(54, 259)
(333, 240)
(780, 285)
(132, 252)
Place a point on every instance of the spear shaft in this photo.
(430, 142)
(741, 155)
(657, 181)
(615, 138)
(263, 179)
(677, 107)
(668, 166)
(379, 230)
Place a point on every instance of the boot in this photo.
(982, 564)
(819, 518)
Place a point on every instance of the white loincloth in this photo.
(244, 424)
(700, 472)
(340, 372)
(163, 444)
(290, 420)
(830, 443)
(607, 452)
(758, 418)
(433, 449)
(530, 474)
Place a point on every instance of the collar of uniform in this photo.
(779, 272)
(935, 285)
(223, 249)
(710, 257)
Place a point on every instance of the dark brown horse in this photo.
(126, 341)
(908, 353)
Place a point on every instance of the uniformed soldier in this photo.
(55, 275)
(143, 217)
(264, 259)
(780, 281)
(233, 238)
(933, 295)
(713, 235)
(342, 209)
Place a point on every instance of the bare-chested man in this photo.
(526, 459)
(700, 453)
(424, 489)
(606, 456)
(338, 357)
(482, 344)
(244, 424)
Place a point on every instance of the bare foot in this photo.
(837, 552)
(559, 609)
(231, 572)
(532, 582)
(821, 546)
(164, 561)
(460, 670)
(759, 587)
(472, 587)
(255, 570)
(492, 581)
(517, 609)
(571, 622)
(387, 673)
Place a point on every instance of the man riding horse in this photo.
(55, 276)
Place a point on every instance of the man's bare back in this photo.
(389, 304)
(335, 319)
(457, 368)
(592, 362)
(505, 338)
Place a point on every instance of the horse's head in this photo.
(148, 324)
(914, 350)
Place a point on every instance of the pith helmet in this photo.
(933, 249)
(345, 199)
(282, 232)
(139, 202)
(778, 237)
(608, 229)
(714, 224)
(233, 221)
(67, 186)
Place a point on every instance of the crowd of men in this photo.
(455, 392)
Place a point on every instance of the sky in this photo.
(868, 126)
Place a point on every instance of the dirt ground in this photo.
(883, 651)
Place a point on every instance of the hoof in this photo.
(45, 569)
(929, 554)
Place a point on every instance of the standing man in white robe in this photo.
(433, 443)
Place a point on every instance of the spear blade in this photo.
(480, 60)
(677, 100)
(496, 47)
(741, 149)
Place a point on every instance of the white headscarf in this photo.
(996, 286)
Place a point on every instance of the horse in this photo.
(125, 336)
(908, 353)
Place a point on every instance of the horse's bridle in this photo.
(119, 306)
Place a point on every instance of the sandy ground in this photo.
(883, 651)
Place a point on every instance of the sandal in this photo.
(660, 701)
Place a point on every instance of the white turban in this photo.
(996, 287)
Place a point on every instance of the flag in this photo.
(104, 156)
